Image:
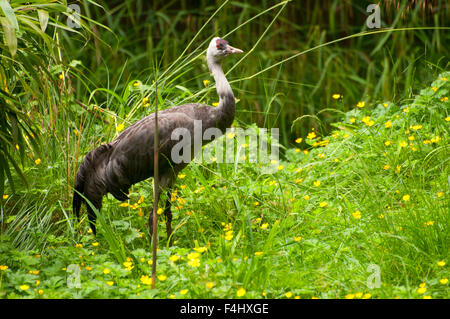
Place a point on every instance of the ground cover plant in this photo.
(356, 207)
(372, 194)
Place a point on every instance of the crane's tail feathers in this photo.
(76, 204)
(85, 175)
(79, 188)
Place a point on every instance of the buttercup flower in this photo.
(240, 292)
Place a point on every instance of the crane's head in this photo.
(219, 48)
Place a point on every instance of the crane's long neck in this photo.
(224, 112)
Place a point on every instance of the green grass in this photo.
(384, 207)
(271, 234)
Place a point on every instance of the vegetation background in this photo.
(65, 89)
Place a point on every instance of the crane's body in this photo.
(129, 159)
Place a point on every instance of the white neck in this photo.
(222, 86)
(225, 111)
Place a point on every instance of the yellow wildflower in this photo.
(231, 135)
(358, 295)
(421, 290)
(316, 183)
(184, 291)
(388, 124)
(128, 265)
(201, 249)
(229, 235)
(361, 104)
(323, 204)
(240, 292)
(38, 161)
(356, 215)
(110, 283)
(162, 277)
(264, 226)
(209, 284)
(24, 287)
(311, 135)
(406, 197)
(288, 294)
(441, 263)
(192, 256)
(336, 96)
(299, 140)
(106, 271)
(146, 280)
(444, 281)
(120, 127)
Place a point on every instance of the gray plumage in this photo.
(115, 166)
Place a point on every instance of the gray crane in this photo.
(129, 159)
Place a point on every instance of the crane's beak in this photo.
(231, 50)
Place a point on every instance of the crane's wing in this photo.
(132, 158)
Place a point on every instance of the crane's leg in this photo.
(168, 215)
(92, 217)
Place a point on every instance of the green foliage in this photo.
(240, 232)
(30, 61)
(365, 188)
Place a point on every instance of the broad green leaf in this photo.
(10, 36)
(43, 19)
(9, 13)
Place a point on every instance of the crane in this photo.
(113, 167)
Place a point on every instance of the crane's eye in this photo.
(221, 44)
